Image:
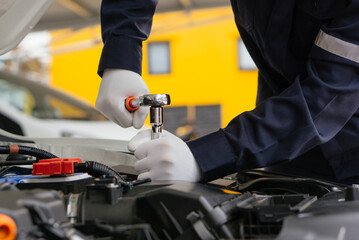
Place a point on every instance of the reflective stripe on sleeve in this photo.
(337, 46)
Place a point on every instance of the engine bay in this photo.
(89, 203)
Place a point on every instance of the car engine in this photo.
(94, 201)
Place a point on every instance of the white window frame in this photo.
(157, 70)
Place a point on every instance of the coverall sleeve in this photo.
(125, 24)
(311, 111)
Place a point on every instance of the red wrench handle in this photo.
(128, 104)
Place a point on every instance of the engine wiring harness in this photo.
(47, 163)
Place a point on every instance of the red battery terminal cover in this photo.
(55, 166)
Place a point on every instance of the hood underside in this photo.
(17, 18)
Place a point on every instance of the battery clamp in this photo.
(55, 166)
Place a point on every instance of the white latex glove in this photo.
(166, 158)
(116, 86)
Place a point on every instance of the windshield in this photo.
(40, 104)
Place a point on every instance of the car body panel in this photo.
(42, 111)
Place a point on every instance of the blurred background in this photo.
(194, 53)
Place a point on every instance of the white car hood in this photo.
(17, 18)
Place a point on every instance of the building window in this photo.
(245, 61)
(159, 58)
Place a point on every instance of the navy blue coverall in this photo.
(306, 121)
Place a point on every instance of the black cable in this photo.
(97, 169)
(140, 181)
(26, 150)
(32, 151)
(36, 152)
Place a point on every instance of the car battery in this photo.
(71, 183)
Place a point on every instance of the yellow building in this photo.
(193, 56)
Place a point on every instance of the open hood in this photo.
(17, 18)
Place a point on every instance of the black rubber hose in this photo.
(98, 169)
(140, 181)
(36, 152)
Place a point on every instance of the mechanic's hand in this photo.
(116, 86)
(166, 158)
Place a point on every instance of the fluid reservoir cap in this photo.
(8, 229)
